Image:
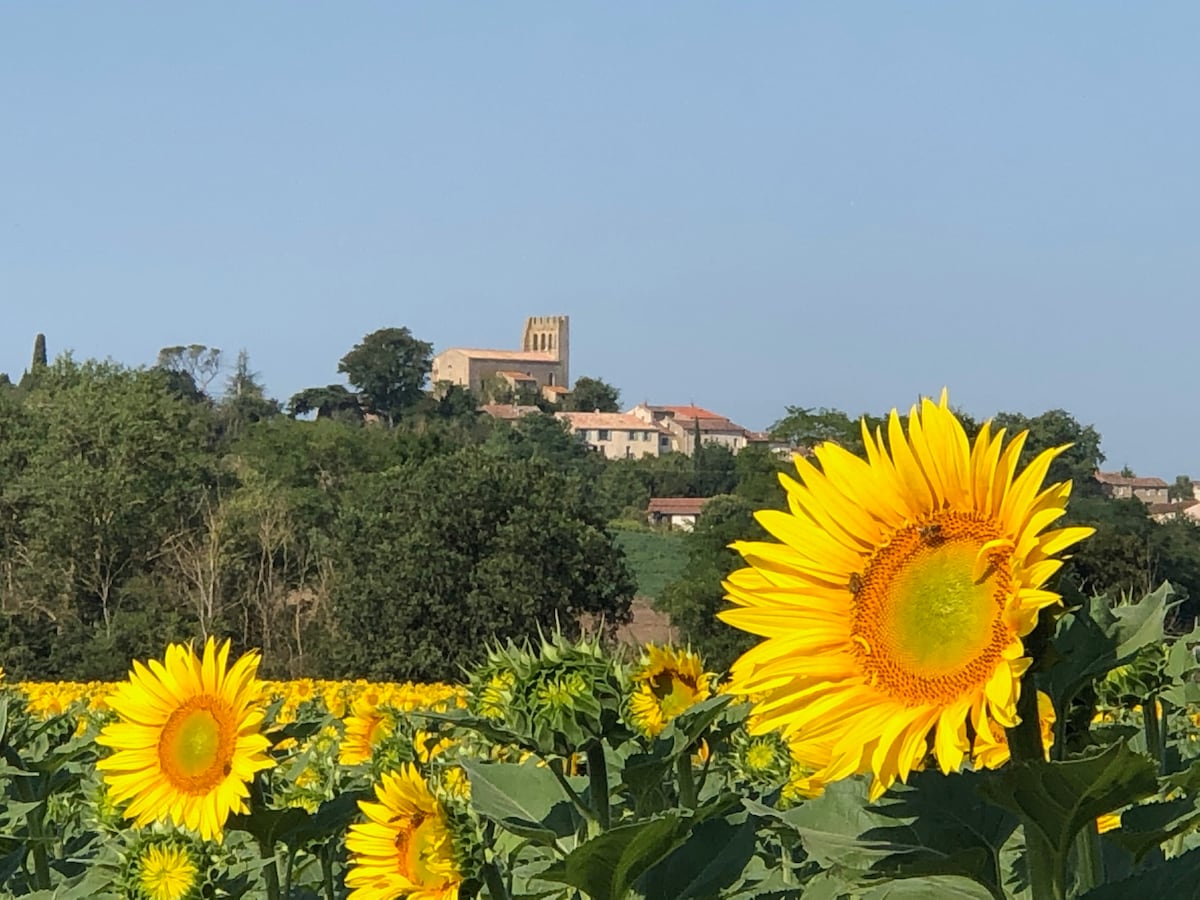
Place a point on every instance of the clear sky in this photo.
(741, 205)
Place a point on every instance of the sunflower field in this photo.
(922, 718)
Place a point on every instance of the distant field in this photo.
(656, 558)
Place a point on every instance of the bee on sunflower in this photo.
(894, 604)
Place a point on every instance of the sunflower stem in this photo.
(494, 881)
(598, 783)
(270, 870)
(554, 764)
(287, 872)
(327, 852)
(1152, 726)
(687, 781)
(1047, 869)
(1090, 863)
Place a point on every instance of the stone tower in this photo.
(551, 335)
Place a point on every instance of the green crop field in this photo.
(656, 558)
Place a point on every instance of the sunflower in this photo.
(165, 870)
(366, 726)
(667, 682)
(893, 608)
(187, 738)
(405, 850)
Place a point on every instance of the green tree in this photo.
(805, 427)
(757, 469)
(715, 470)
(390, 368)
(1182, 489)
(39, 352)
(199, 363)
(1058, 428)
(102, 463)
(593, 395)
(438, 558)
(244, 400)
(695, 599)
(330, 402)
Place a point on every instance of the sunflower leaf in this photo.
(1165, 880)
(944, 887)
(1094, 638)
(1059, 798)
(525, 799)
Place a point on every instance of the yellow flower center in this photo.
(928, 609)
(197, 744)
(167, 873)
(759, 756)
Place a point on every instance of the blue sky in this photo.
(739, 205)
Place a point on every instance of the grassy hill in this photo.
(656, 558)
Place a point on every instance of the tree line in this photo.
(396, 529)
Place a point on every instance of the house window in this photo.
(583, 434)
(604, 435)
(550, 380)
(635, 435)
(645, 435)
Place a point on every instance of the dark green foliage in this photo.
(39, 352)
(1055, 428)
(330, 402)
(390, 368)
(436, 558)
(593, 395)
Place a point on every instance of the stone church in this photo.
(543, 360)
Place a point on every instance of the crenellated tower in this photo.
(550, 335)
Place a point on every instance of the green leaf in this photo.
(1059, 798)
(943, 887)
(1176, 879)
(525, 799)
(1147, 826)
(1094, 638)
(606, 867)
(710, 860)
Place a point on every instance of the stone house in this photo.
(1125, 487)
(618, 435)
(686, 423)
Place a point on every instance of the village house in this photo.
(1125, 487)
(686, 424)
(675, 512)
(1165, 512)
(618, 435)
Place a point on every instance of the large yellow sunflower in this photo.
(893, 608)
(667, 682)
(187, 741)
(405, 849)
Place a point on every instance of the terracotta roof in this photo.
(507, 410)
(1117, 479)
(556, 389)
(503, 355)
(622, 421)
(518, 376)
(676, 506)
(689, 412)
